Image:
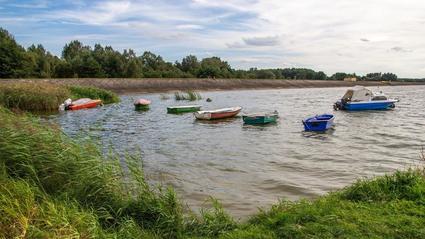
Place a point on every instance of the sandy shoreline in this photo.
(150, 85)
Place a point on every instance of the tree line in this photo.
(82, 61)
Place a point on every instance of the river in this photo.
(247, 167)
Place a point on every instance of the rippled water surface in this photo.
(247, 167)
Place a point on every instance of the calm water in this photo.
(248, 167)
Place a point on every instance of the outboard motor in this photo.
(338, 105)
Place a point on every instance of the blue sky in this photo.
(330, 35)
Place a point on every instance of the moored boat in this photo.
(361, 98)
(319, 122)
(142, 104)
(218, 114)
(183, 109)
(261, 118)
(84, 103)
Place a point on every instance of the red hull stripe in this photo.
(84, 106)
(223, 115)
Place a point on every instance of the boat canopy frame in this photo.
(357, 93)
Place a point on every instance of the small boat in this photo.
(84, 103)
(319, 122)
(183, 109)
(142, 104)
(361, 98)
(218, 114)
(261, 118)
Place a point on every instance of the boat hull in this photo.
(318, 124)
(141, 107)
(259, 119)
(372, 105)
(88, 105)
(178, 110)
(212, 115)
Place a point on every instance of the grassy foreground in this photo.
(52, 186)
(46, 97)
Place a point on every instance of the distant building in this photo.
(351, 79)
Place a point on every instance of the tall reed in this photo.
(76, 170)
(46, 97)
(32, 96)
(188, 95)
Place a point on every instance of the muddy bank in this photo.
(163, 85)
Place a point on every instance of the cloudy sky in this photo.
(330, 35)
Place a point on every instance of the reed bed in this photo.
(164, 97)
(188, 95)
(181, 84)
(46, 97)
(33, 96)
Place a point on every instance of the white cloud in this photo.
(262, 41)
(399, 49)
(330, 35)
(189, 27)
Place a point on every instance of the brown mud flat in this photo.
(125, 85)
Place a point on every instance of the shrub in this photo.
(94, 93)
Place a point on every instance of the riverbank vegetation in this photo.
(106, 96)
(52, 186)
(188, 95)
(46, 97)
(82, 61)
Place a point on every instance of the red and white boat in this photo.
(218, 114)
(142, 104)
(84, 103)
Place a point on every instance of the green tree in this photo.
(374, 76)
(190, 64)
(134, 69)
(339, 76)
(389, 76)
(73, 49)
(43, 62)
(320, 76)
(63, 70)
(14, 62)
(214, 67)
(265, 74)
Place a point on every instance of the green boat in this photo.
(260, 118)
(183, 109)
(141, 107)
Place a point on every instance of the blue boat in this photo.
(319, 122)
(361, 98)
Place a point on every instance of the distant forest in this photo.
(81, 61)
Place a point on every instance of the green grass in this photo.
(392, 206)
(52, 186)
(188, 95)
(46, 97)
